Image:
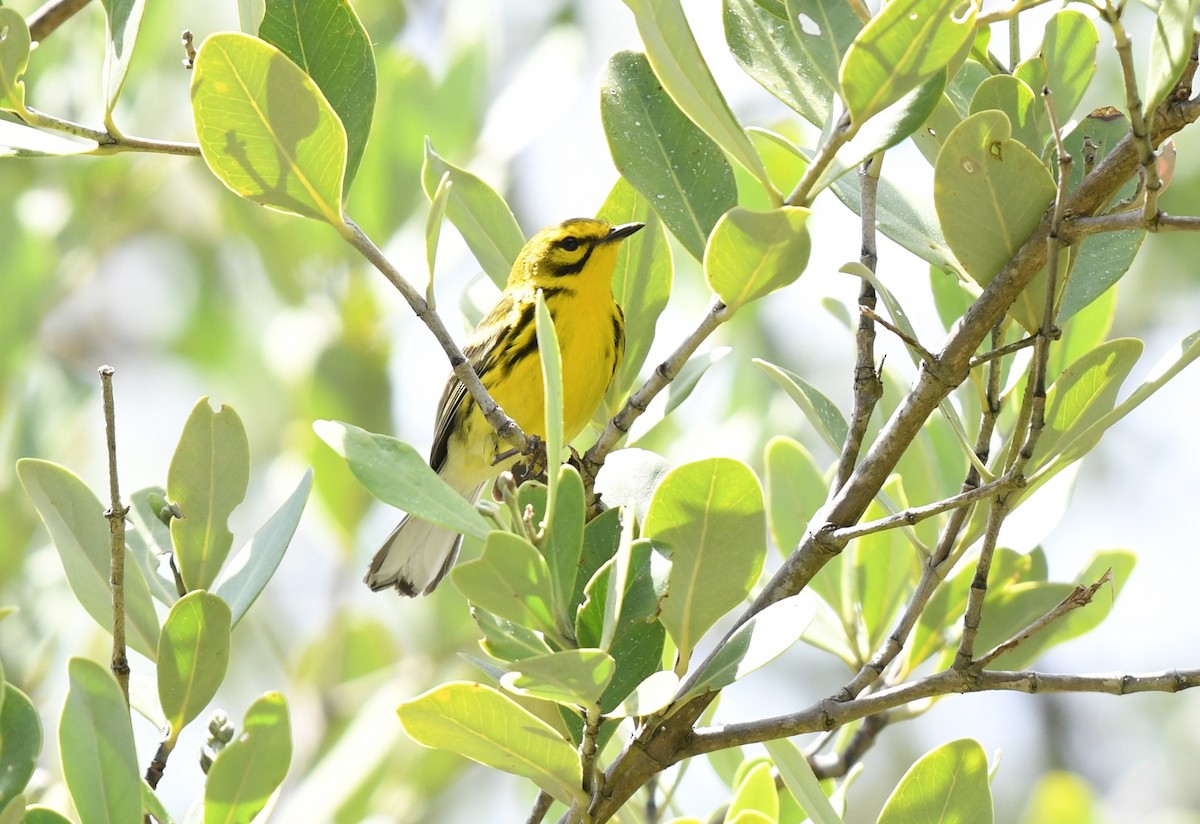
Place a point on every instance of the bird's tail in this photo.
(415, 557)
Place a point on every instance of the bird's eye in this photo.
(569, 243)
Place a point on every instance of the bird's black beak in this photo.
(622, 231)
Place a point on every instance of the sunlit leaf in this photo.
(265, 130)
(123, 19)
(573, 677)
(904, 45)
(208, 477)
(795, 490)
(821, 412)
(948, 784)
(1170, 48)
(14, 55)
(511, 580)
(485, 725)
(698, 511)
(799, 778)
(751, 254)
(251, 767)
(193, 655)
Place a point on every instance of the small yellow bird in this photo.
(572, 264)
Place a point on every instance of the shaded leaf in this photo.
(573, 677)
(481, 216)
(245, 577)
(821, 412)
(193, 655)
(511, 580)
(677, 168)
(1170, 46)
(96, 741)
(397, 474)
(20, 743)
(75, 519)
(123, 18)
(326, 39)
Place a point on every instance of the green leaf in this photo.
(799, 778)
(123, 18)
(433, 230)
(751, 254)
(678, 168)
(250, 14)
(562, 545)
(552, 394)
(698, 511)
(149, 539)
(326, 39)
(153, 805)
(756, 643)
(948, 784)
(1069, 49)
(1084, 392)
(511, 579)
(506, 640)
(241, 582)
(208, 477)
(14, 56)
(96, 741)
(479, 213)
(906, 215)
(20, 743)
(793, 51)
(601, 537)
(795, 490)
(75, 519)
(1063, 798)
(641, 282)
(755, 793)
(266, 131)
(487, 726)
(38, 814)
(684, 73)
(397, 474)
(821, 412)
(193, 655)
(250, 768)
(904, 45)
(1008, 94)
(984, 178)
(573, 677)
(1170, 47)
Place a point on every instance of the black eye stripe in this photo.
(570, 243)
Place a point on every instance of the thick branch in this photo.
(831, 714)
(662, 744)
(50, 16)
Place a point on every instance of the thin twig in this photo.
(868, 388)
(640, 400)
(830, 714)
(1080, 596)
(116, 534)
(505, 427)
(1003, 351)
(1077, 228)
(839, 763)
(587, 762)
(541, 806)
(50, 16)
(803, 194)
(914, 515)
(908, 339)
(106, 142)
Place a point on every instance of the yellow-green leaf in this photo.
(751, 254)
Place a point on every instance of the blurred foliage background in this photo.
(147, 263)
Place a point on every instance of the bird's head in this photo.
(579, 249)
